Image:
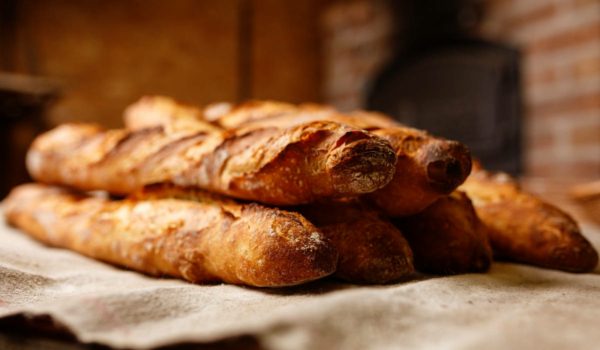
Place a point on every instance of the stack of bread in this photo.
(270, 194)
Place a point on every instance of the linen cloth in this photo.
(511, 307)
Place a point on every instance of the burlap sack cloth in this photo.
(511, 307)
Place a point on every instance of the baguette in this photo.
(152, 111)
(280, 114)
(370, 249)
(525, 229)
(427, 167)
(278, 166)
(448, 237)
(200, 242)
(175, 116)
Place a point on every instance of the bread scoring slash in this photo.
(289, 166)
(370, 248)
(428, 167)
(200, 242)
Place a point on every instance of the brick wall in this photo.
(357, 37)
(560, 42)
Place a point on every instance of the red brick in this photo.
(584, 169)
(577, 36)
(586, 135)
(540, 170)
(580, 170)
(544, 140)
(586, 68)
(531, 17)
(581, 103)
(582, 3)
(545, 77)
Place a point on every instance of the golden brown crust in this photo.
(152, 111)
(525, 229)
(427, 167)
(167, 190)
(448, 237)
(201, 242)
(370, 248)
(278, 114)
(265, 113)
(288, 166)
(174, 116)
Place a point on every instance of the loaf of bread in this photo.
(370, 248)
(448, 237)
(200, 242)
(279, 166)
(152, 111)
(428, 167)
(525, 229)
(280, 114)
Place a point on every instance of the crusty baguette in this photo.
(525, 229)
(152, 111)
(280, 114)
(370, 248)
(279, 166)
(201, 242)
(428, 167)
(448, 237)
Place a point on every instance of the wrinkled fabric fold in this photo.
(513, 306)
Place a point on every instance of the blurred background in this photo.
(517, 81)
